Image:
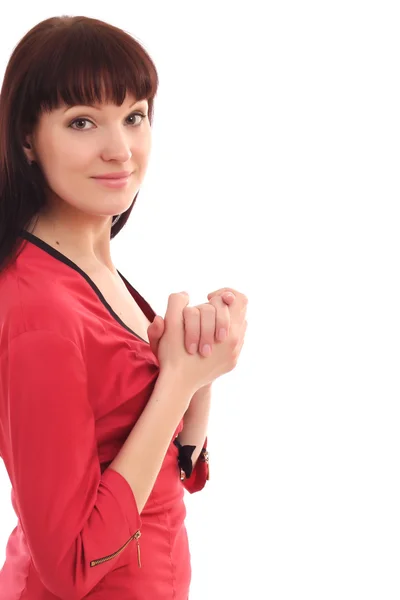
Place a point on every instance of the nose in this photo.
(116, 146)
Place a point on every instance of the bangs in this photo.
(91, 65)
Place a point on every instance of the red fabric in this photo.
(73, 382)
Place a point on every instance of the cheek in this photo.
(63, 169)
(64, 158)
(143, 151)
(142, 144)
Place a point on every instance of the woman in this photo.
(103, 406)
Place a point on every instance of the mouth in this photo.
(113, 182)
(115, 175)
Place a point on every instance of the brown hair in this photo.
(71, 60)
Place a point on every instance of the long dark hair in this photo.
(72, 60)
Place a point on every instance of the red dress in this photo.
(74, 379)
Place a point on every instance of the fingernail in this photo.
(222, 335)
(206, 350)
(193, 348)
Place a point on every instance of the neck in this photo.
(83, 244)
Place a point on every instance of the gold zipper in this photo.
(135, 536)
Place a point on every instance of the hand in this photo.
(195, 371)
(202, 324)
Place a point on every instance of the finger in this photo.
(174, 314)
(222, 291)
(191, 315)
(227, 297)
(237, 303)
(228, 291)
(222, 319)
(235, 307)
(153, 338)
(207, 336)
(156, 326)
(155, 332)
(223, 294)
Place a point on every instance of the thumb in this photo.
(155, 332)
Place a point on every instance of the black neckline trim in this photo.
(64, 259)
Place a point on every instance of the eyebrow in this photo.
(96, 108)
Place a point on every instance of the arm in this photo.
(77, 521)
(194, 433)
(153, 431)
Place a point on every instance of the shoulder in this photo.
(35, 304)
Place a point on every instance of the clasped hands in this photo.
(205, 323)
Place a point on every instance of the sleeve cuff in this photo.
(200, 474)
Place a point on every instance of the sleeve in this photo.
(76, 520)
(200, 474)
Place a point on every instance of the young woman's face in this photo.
(75, 145)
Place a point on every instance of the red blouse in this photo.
(74, 379)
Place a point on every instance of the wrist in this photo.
(203, 391)
(176, 381)
(206, 387)
(200, 399)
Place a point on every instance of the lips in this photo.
(120, 175)
(113, 182)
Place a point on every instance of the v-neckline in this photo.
(142, 303)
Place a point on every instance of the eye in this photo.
(137, 114)
(82, 120)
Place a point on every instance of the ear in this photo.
(28, 150)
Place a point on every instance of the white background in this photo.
(275, 170)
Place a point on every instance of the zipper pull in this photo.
(206, 458)
(137, 536)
